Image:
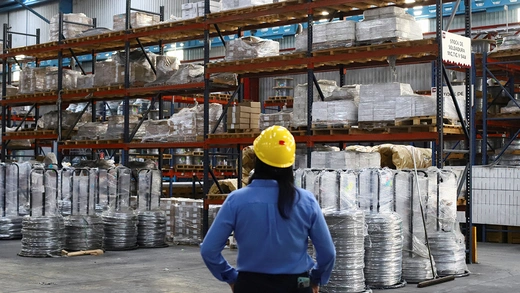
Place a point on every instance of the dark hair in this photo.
(286, 189)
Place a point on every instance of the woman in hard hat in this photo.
(272, 221)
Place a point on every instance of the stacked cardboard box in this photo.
(235, 4)
(417, 105)
(335, 112)
(70, 30)
(192, 10)
(328, 35)
(388, 23)
(377, 102)
(245, 115)
(282, 118)
(137, 19)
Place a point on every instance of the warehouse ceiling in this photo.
(7, 5)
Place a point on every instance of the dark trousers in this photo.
(265, 283)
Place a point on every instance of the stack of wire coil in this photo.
(120, 230)
(383, 251)
(151, 229)
(42, 236)
(449, 252)
(83, 233)
(347, 229)
(11, 228)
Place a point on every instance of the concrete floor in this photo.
(179, 269)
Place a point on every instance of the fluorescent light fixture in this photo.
(409, 1)
(20, 56)
(325, 13)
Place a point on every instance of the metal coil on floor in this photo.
(120, 231)
(151, 229)
(83, 233)
(11, 228)
(42, 236)
(347, 229)
(416, 268)
(449, 251)
(383, 250)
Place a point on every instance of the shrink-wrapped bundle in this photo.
(250, 48)
(70, 30)
(137, 19)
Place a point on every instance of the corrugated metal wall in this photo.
(25, 21)
(104, 10)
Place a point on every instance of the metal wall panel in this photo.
(104, 10)
(482, 19)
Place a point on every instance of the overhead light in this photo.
(20, 56)
(409, 1)
(325, 13)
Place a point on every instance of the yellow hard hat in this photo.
(275, 146)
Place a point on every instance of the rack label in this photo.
(456, 50)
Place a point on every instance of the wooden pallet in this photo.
(154, 157)
(109, 88)
(424, 120)
(226, 168)
(216, 196)
(376, 125)
(506, 115)
(279, 98)
(188, 168)
(234, 135)
(33, 95)
(448, 129)
(330, 129)
(30, 132)
(243, 130)
(357, 130)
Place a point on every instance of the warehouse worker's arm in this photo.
(325, 251)
(214, 242)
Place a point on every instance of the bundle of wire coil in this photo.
(416, 263)
(42, 236)
(449, 251)
(151, 229)
(347, 229)
(11, 228)
(83, 233)
(383, 250)
(120, 230)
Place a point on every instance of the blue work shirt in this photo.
(267, 243)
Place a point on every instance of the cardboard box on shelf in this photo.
(238, 115)
(250, 104)
(236, 120)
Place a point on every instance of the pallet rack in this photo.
(234, 22)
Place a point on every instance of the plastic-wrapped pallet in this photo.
(70, 30)
(187, 221)
(328, 160)
(187, 73)
(250, 48)
(376, 190)
(113, 73)
(508, 43)
(49, 121)
(166, 66)
(328, 35)
(310, 181)
(377, 102)
(183, 125)
(328, 195)
(389, 23)
(282, 118)
(301, 156)
(115, 128)
(417, 105)
(300, 104)
(235, 4)
(335, 112)
(69, 80)
(362, 160)
(32, 79)
(91, 131)
(157, 130)
(85, 81)
(137, 19)
(192, 10)
(346, 92)
(215, 111)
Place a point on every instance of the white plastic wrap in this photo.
(384, 12)
(335, 112)
(376, 190)
(70, 30)
(165, 68)
(192, 10)
(310, 181)
(137, 19)
(250, 48)
(187, 221)
(418, 105)
(401, 28)
(328, 35)
(44, 193)
(300, 104)
(215, 111)
(91, 131)
(329, 192)
(236, 4)
(328, 160)
(361, 160)
(348, 190)
(509, 43)
(183, 125)
(377, 102)
(85, 81)
(49, 121)
(346, 92)
(69, 80)
(115, 127)
(187, 73)
(149, 192)
(157, 130)
(32, 79)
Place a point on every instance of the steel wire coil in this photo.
(83, 233)
(120, 231)
(383, 250)
(42, 236)
(11, 228)
(151, 229)
(416, 268)
(347, 229)
(449, 251)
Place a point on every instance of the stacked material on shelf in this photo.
(183, 125)
(346, 92)
(166, 66)
(70, 30)
(328, 35)
(245, 115)
(250, 48)
(235, 4)
(407, 106)
(300, 103)
(508, 43)
(328, 160)
(115, 127)
(282, 118)
(387, 24)
(137, 19)
(85, 81)
(215, 111)
(511, 155)
(91, 131)
(343, 112)
(361, 160)
(398, 156)
(69, 80)
(10, 90)
(224, 78)
(94, 32)
(49, 121)
(446, 241)
(187, 73)
(377, 102)
(511, 107)
(301, 156)
(32, 79)
(197, 9)
(110, 73)
(416, 261)
(156, 130)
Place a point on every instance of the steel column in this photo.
(438, 84)
(206, 182)
(470, 118)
